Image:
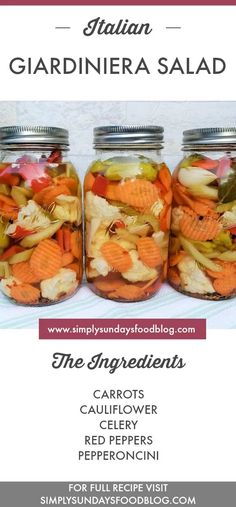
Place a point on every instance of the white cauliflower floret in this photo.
(68, 209)
(229, 218)
(98, 207)
(98, 239)
(30, 217)
(193, 279)
(162, 240)
(6, 285)
(139, 272)
(177, 214)
(63, 283)
(157, 207)
(91, 273)
(101, 265)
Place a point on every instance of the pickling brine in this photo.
(202, 253)
(127, 211)
(40, 220)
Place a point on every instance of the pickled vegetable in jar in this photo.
(40, 216)
(202, 253)
(127, 209)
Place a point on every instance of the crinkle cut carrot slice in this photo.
(116, 256)
(109, 283)
(25, 293)
(46, 260)
(225, 286)
(228, 270)
(128, 292)
(24, 273)
(149, 252)
(138, 193)
(199, 229)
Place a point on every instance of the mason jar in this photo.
(127, 210)
(202, 252)
(40, 216)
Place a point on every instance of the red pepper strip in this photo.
(41, 183)
(20, 233)
(32, 171)
(100, 186)
(205, 163)
(118, 224)
(11, 251)
(232, 230)
(10, 179)
(55, 157)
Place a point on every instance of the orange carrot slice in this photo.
(128, 292)
(225, 286)
(70, 183)
(24, 273)
(228, 270)
(53, 193)
(67, 258)
(138, 193)
(77, 267)
(168, 196)
(181, 198)
(76, 244)
(149, 252)
(112, 191)
(109, 283)
(48, 195)
(67, 239)
(199, 229)
(12, 250)
(116, 256)
(46, 259)
(160, 187)
(60, 239)
(165, 217)
(176, 258)
(205, 163)
(173, 276)
(88, 182)
(8, 200)
(25, 293)
(165, 177)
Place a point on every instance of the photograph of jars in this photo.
(40, 216)
(127, 195)
(202, 250)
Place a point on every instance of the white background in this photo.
(206, 32)
(41, 430)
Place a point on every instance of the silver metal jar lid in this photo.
(128, 136)
(16, 135)
(210, 136)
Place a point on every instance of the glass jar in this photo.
(202, 252)
(127, 210)
(40, 216)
